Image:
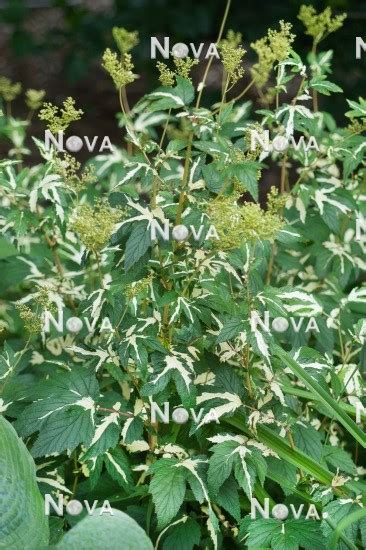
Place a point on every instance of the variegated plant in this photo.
(154, 279)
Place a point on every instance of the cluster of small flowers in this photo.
(94, 224)
(320, 25)
(59, 119)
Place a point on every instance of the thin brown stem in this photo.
(209, 63)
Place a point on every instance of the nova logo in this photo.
(280, 143)
(281, 511)
(281, 324)
(360, 45)
(180, 49)
(75, 143)
(74, 324)
(181, 232)
(74, 507)
(181, 415)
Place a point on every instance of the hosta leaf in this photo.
(23, 523)
(101, 531)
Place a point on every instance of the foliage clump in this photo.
(204, 269)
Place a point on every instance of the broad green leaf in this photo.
(101, 531)
(6, 248)
(23, 523)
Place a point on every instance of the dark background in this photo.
(57, 45)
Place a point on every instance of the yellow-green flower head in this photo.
(319, 25)
(232, 57)
(34, 98)
(9, 90)
(260, 71)
(68, 169)
(32, 322)
(236, 224)
(134, 289)
(184, 66)
(94, 225)
(280, 41)
(167, 77)
(233, 39)
(121, 72)
(274, 47)
(59, 119)
(124, 39)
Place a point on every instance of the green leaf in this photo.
(228, 498)
(118, 466)
(230, 329)
(220, 465)
(137, 244)
(358, 109)
(63, 413)
(23, 523)
(6, 248)
(285, 535)
(214, 179)
(168, 487)
(308, 440)
(247, 173)
(183, 536)
(101, 531)
(351, 519)
(324, 86)
(339, 458)
(167, 97)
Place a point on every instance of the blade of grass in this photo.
(342, 525)
(327, 400)
(350, 409)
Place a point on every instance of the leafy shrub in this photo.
(199, 288)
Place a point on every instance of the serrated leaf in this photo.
(137, 244)
(183, 536)
(168, 487)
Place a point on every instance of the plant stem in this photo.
(209, 63)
